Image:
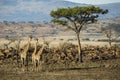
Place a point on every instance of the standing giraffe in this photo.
(36, 55)
(34, 52)
(23, 54)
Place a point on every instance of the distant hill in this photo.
(39, 10)
(114, 10)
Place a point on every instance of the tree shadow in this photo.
(74, 69)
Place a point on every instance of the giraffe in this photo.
(36, 55)
(35, 51)
(23, 54)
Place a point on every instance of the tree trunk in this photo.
(110, 42)
(79, 48)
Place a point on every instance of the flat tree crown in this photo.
(77, 14)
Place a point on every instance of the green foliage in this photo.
(78, 16)
(61, 22)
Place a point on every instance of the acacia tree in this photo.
(74, 19)
(112, 32)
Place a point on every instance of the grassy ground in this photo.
(99, 70)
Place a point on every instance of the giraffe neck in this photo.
(35, 49)
(41, 50)
(27, 47)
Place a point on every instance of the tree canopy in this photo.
(76, 15)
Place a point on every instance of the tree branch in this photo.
(74, 24)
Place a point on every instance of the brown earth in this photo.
(104, 70)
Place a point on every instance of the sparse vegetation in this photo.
(112, 32)
(62, 59)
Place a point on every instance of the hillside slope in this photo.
(39, 10)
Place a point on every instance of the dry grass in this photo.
(58, 65)
(80, 71)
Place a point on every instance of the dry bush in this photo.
(101, 53)
(67, 53)
(61, 54)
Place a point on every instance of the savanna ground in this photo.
(107, 68)
(100, 70)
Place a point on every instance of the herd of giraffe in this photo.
(35, 55)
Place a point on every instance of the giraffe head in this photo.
(36, 40)
(30, 37)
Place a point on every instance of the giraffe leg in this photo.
(23, 63)
(27, 63)
(40, 65)
(37, 65)
(33, 64)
